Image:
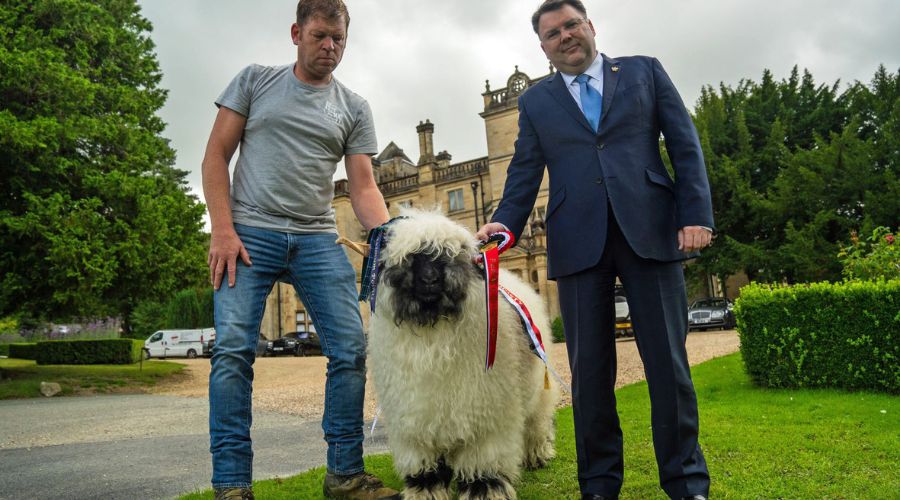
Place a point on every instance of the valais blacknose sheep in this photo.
(448, 418)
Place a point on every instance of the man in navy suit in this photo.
(614, 211)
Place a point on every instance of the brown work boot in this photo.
(362, 486)
(234, 494)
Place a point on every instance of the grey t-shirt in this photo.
(294, 137)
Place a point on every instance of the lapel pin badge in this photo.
(614, 69)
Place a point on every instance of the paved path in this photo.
(136, 446)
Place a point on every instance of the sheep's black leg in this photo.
(493, 488)
(428, 483)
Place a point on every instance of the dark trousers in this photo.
(658, 305)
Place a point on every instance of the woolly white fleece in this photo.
(436, 397)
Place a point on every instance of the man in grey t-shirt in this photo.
(276, 223)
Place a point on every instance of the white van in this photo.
(177, 343)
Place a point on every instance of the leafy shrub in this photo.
(9, 325)
(89, 352)
(844, 335)
(183, 310)
(147, 318)
(10, 338)
(205, 298)
(879, 258)
(557, 329)
(190, 309)
(23, 350)
(187, 309)
(4, 349)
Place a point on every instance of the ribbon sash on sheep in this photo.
(489, 257)
(537, 343)
(490, 254)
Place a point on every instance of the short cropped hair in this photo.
(550, 6)
(326, 9)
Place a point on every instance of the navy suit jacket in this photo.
(619, 166)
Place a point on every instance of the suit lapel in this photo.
(559, 92)
(611, 69)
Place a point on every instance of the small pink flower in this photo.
(889, 238)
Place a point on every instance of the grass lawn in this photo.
(759, 443)
(22, 378)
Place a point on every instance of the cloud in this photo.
(418, 60)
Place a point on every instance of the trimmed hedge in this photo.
(844, 335)
(559, 334)
(23, 350)
(4, 349)
(89, 352)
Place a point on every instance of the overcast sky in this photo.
(414, 60)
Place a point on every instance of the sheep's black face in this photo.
(428, 288)
(428, 278)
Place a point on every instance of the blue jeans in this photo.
(326, 283)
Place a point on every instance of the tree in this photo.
(794, 168)
(94, 217)
(147, 318)
(190, 308)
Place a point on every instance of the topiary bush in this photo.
(844, 335)
(89, 352)
(23, 350)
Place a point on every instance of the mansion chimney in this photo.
(426, 147)
(443, 159)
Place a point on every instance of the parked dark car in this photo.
(211, 343)
(261, 346)
(623, 314)
(711, 312)
(208, 347)
(284, 345)
(309, 344)
(295, 344)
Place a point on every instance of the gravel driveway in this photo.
(296, 386)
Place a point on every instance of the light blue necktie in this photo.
(591, 101)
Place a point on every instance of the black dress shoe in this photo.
(594, 496)
(694, 497)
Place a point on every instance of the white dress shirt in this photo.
(595, 71)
